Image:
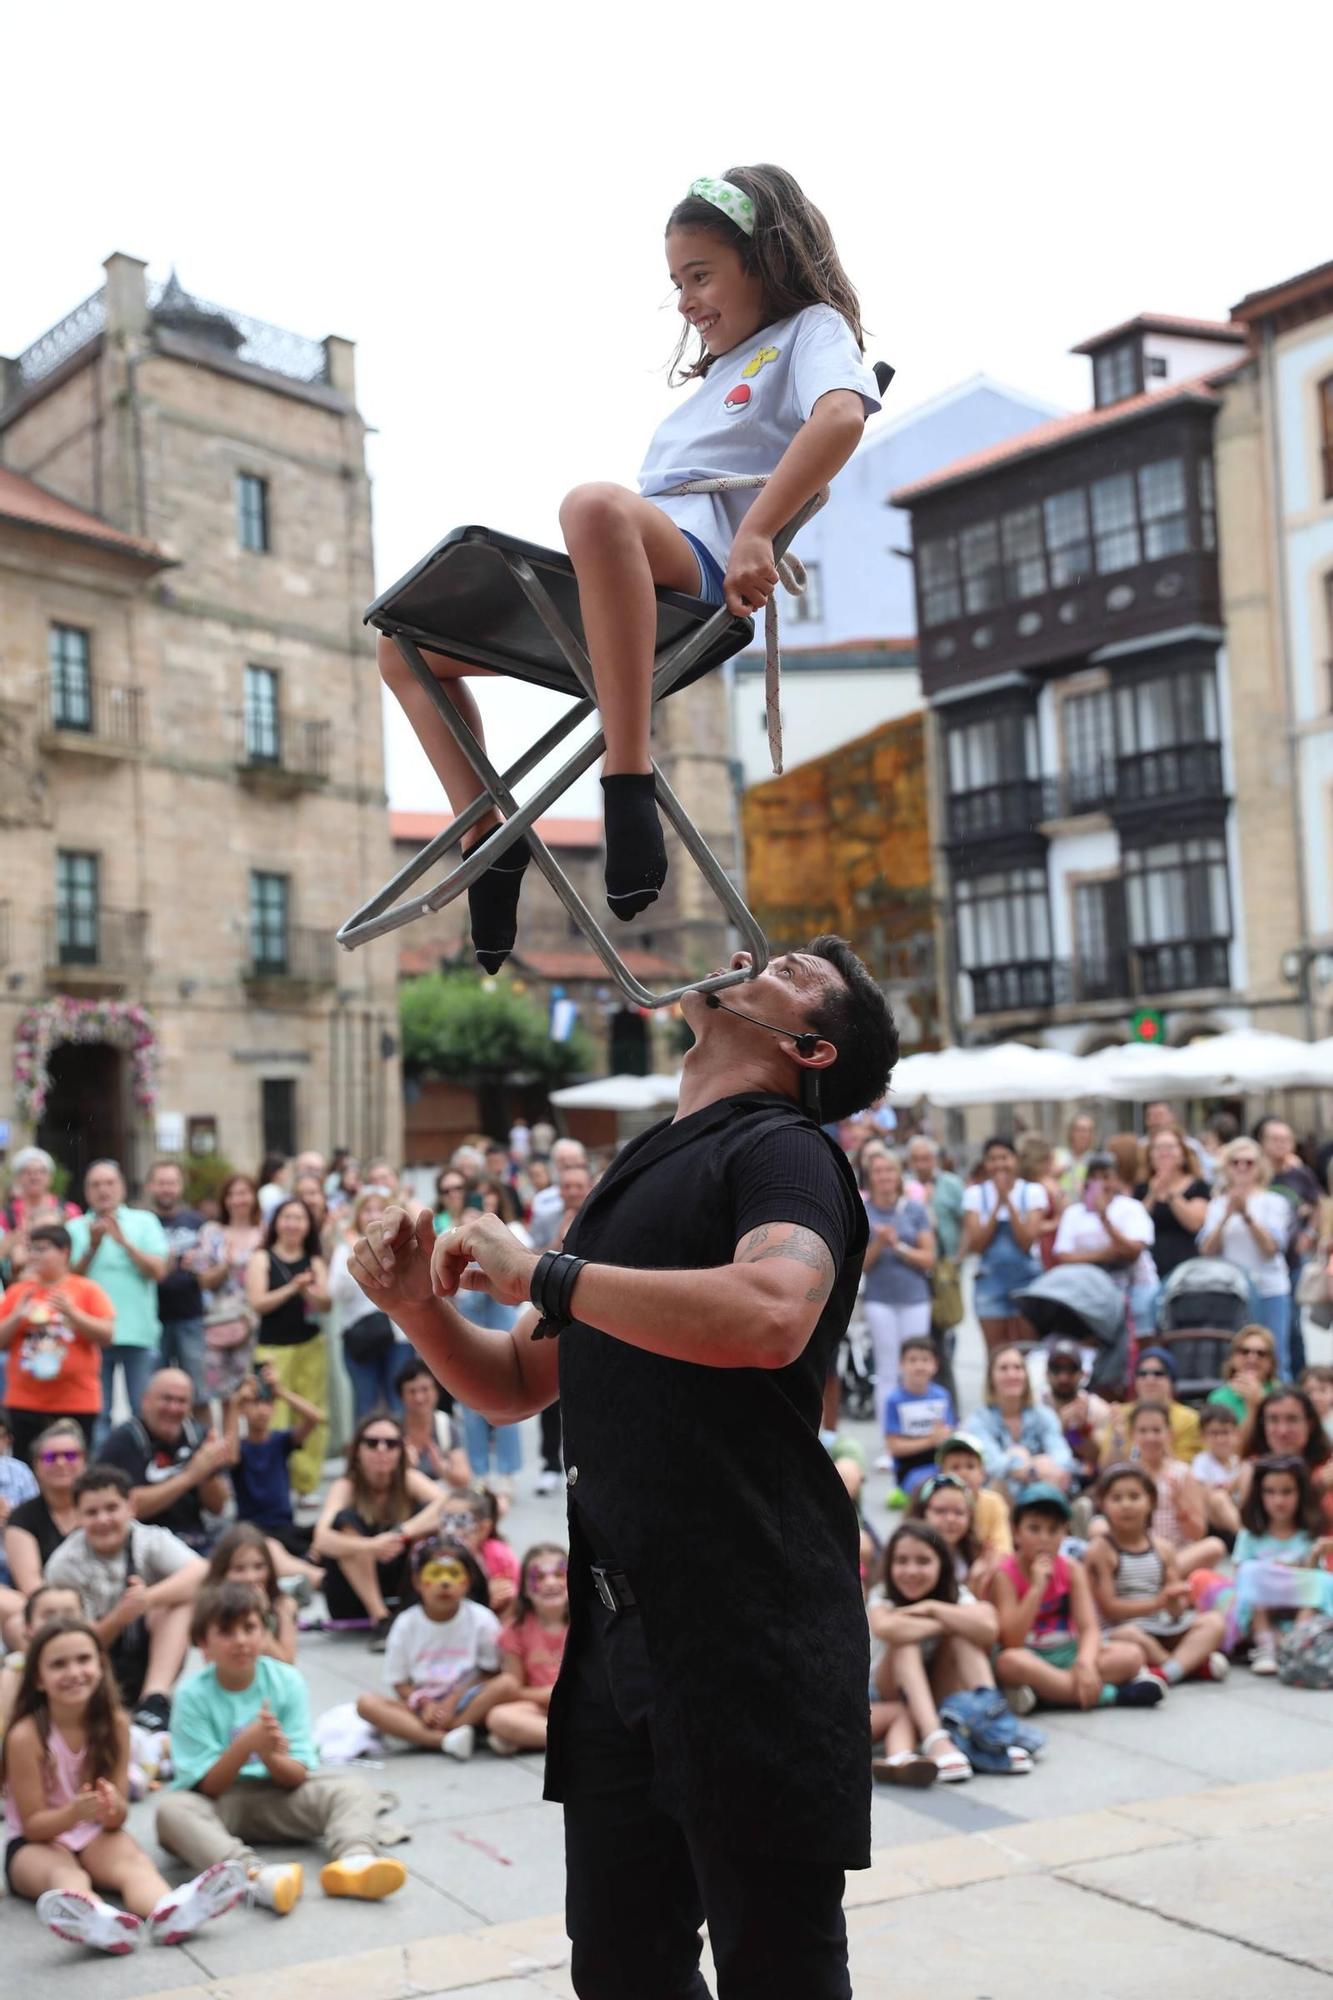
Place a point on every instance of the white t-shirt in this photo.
(1271, 1212)
(743, 415)
(1080, 1230)
(1029, 1198)
(436, 1655)
(150, 1553)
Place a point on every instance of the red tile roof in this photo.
(1064, 430)
(23, 500)
(574, 965)
(1189, 329)
(556, 832)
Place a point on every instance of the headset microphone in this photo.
(806, 1044)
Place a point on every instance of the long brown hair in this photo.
(397, 1497)
(243, 1535)
(104, 1718)
(792, 250)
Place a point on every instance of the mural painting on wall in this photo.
(843, 844)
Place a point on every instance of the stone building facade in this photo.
(190, 726)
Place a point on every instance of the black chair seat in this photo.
(462, 599)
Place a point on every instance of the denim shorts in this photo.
(710, 589)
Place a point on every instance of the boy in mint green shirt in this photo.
(246, 1768)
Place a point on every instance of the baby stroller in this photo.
(1079, 1302)
(1204, 1304)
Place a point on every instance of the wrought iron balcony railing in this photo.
(1162, 777)
(93, 714)
(281, 748)
(1016, 805)
(296, 955)
(95, 939)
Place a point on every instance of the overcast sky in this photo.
(477, 198)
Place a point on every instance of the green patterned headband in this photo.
(734, 203)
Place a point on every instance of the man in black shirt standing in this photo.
(709, 1736)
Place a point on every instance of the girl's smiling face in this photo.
(723, 302)
(69, 1669)
(914, 1568)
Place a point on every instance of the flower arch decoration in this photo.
(42, 1029)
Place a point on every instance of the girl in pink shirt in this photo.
(534, 1645)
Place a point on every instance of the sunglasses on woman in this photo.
(382, 1443)
(1151, 1374)
(56, 1456)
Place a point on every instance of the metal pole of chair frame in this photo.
(378, 916)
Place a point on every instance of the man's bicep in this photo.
(799, 1256)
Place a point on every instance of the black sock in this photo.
(636, 862)
(492, 903)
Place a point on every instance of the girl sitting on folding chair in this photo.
(784, 392)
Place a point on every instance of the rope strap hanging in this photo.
(791, 574)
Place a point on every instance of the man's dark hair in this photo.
(51, 1232)
(858, 1021)
(921, 1341)
(97, 1478)
(1224, 1127)
(221, 1607)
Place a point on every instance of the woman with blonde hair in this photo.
(1248, 1225)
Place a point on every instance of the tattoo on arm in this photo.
(798, 1246)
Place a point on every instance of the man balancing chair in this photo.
(509, 606)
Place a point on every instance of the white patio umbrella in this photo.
(1006, 1073)
(619, 1093)
(1246, 1059)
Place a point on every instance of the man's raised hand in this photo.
(482, 1255)
(391, 1262)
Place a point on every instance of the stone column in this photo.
(340, 366)
(126, 294)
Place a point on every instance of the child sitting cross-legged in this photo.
(929, 1640)
(442, 1662)
(48, 1601)
(246, 1769)
(1279, 1555)
(1180, 1514)
(1051, 1643)
(66, 1772)
(1139, 1589)
(532, 1648)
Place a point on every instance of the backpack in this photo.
(985, 1728)
(1305, 1654)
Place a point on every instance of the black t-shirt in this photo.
(180, 1295)
(1173, 1243)
(35, 1516)
(711, 1488)
(148, 1461)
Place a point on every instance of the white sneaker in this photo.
(1263, 1660)
(89, 1921)
(498, 1747)
(884, 1463)
(1022, 1700)
(182, 1912)
(460, 1742)
(278, 1886)
(547, 1482)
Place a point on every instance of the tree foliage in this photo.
(455, 1025)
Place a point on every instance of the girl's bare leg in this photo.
(116, 1861)
(1120, 1661)
(909, 1670)
(523, 1723)
(1203, 1639)
(881, 1715)
(960, 1665)
(43, 1865)
(493, 898)
(1154, 1652)
(622, 547)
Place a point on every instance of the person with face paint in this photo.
(442, 1663)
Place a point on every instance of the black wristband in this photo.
(551, 1289)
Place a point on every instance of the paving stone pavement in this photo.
(1185, 1840)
